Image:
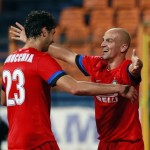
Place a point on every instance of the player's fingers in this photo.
(19, 25)
(12, 28)
(15, 33)
(134, 97)
(134, 52)
(16, 38)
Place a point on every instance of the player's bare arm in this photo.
(68, 84)
(62, 53)
(3, 98)
(136, 66)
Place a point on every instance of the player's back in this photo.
(28, 99)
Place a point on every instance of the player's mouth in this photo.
(105, 50)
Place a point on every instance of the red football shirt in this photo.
(116, 117)
(28, 75)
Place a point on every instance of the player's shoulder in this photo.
(98, 60)
(46, 56)
(126, 62)
(46, 59)
(94, 58)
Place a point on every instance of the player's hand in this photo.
(18, 32)
(136, 66)
(129, 92)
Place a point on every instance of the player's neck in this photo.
(112, 64)
(34, 44)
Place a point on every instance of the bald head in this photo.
(123, 35)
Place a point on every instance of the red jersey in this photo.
(116, 117)
(28, 75)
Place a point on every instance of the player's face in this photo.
(111, 45)
(48, 40)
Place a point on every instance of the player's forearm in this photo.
(86, 88)
(91, 89)
(62, 53)
(70, 85)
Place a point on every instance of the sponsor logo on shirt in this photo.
(108, 99)
(111, 98)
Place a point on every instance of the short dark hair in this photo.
(36, 20)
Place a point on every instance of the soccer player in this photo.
(27, 77)
(117, 119)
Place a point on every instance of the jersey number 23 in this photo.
(19, 97)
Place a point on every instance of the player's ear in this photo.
(124, 48)
(44, 31)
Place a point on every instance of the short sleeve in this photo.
(87, 64)
(127, 76)
(49, 70)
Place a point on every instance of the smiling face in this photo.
(111, 45)
(114, 44)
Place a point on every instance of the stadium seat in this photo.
(78, 35)
(71, 17)
(121, 4)
(100, 21)
(89, 5)
(84, 49)
(144, 4)
(146, 16)
(128, 19)
(101, 18)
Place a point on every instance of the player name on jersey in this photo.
(24, 57)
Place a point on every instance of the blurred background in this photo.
(81, 25)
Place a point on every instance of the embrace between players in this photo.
(30, 72)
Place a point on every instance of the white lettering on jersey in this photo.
(8, 79)
(108, 99)
(20, 58)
